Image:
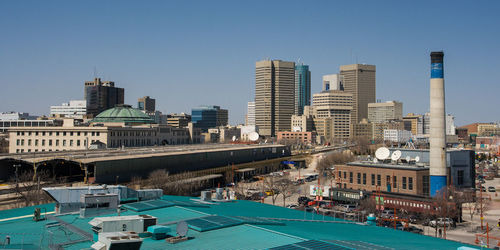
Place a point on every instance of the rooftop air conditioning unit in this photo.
(118, 240)
(206, 195)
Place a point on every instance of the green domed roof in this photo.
(123, 113)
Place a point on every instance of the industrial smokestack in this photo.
(437, 138)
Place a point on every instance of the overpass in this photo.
(110, 165)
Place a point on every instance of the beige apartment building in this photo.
(359, 80)
(385, 111)
(274, 96)
(304, 122)
(416, 123)
(337, 106)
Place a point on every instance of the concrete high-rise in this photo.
(302, 88)
(437, 138)
(146, 104)
(337, 106)
(333, 82)
(385, 111)
(250, 121)
(274, 96)
(101, 95)
(359, 80)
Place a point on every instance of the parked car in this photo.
(348, 208)
(303, 200)
(442, 222)
(483, 188)
(293, 206)
(492, 189)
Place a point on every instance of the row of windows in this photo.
(132, 133)
(407, 182)
(36, 133)
(64, 143)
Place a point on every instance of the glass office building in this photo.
(205, 117)
(302, 88)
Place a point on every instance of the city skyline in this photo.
(141, 49)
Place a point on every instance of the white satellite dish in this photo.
(396, 155)
(253, 136)
(382, 153)
(182, 228)
(375, 160)
(234, 138)
(417, 159)
(408, 159)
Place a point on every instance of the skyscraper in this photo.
(359, 80)
(302, 88)
(274, 96)
(250, 114)
(337, 106)
(102, 95)
(146, 104)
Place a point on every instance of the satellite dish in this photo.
(265, 141)
(408, 158)
(396, 155)
(417, 159)
(253, 136)
(375, 160)
(234, 138)
(382, 153)
(182, 228)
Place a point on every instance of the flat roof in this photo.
(402, 166)
(89, 156)
(295, 227)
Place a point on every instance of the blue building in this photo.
(205, 117)
(302, 88)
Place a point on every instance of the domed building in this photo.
(124, 114)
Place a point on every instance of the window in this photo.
(71, 133)
(373, 179)
(460, 177)
(29, 142)
(350, 177)
(57, 142)
(93, 133)
(85, 133)
(50, 142)
(410, 183)
(97, 133)
(50, 133)
(43, 142)
(36, 142)
(77, 142)
(388, 180)
(425, 184)
(64, 133)
(340, 174)
(359, 178)
(404, 182)
(64, 143)
(43, 133)
(345, 175)
(18, 142)
(57, 133)
(379, 180)
(394, 182)
(78, 133)
(364, 178)
(22, 142)
(71, 143)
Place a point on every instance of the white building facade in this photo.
(73, 109)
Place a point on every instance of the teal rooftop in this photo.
(213, 225)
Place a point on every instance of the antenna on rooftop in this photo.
(182, 228)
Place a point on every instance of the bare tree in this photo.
(270, 183)
(285, 187)
(29, 191)
(368, 205)
(158, 178)
(326, 163)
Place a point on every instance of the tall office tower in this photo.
(250, 114)
(205, 117)
(146, 104)
(302, 88)
(274, 96)
(359, 80)
(333, 82)
(336, 105)
(102, 95)
(385, 111)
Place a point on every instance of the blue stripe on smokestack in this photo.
(437, 183)
(436, 70)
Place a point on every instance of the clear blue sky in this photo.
(187, 53)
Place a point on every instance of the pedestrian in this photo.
(440, 233)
